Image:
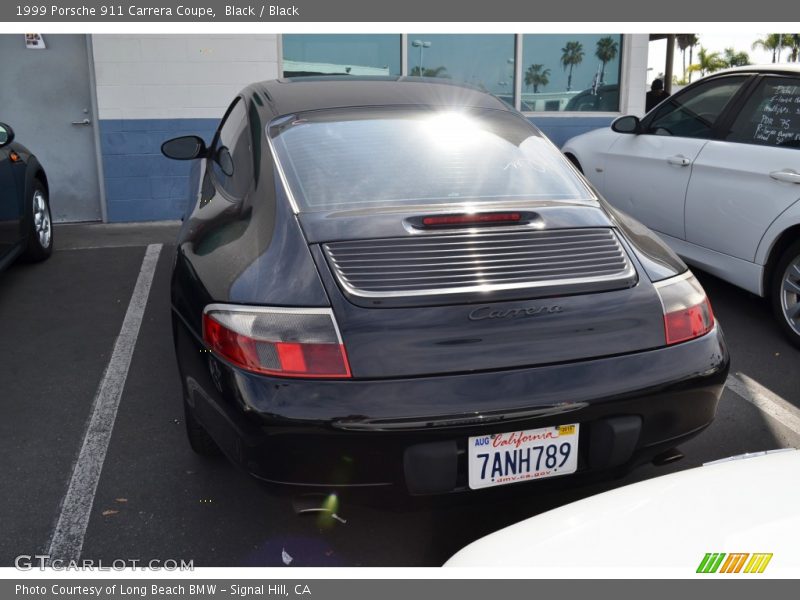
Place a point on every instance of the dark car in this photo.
(523, 106)
(396, 282)
(25, 223)
(603, 98)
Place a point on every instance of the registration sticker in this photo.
(503, 458)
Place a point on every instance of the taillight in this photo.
(687, 311)
(286, 342)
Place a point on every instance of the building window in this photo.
(485, 61)
(340, 54)
(571, 72)
(559, 72)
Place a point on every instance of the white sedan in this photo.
(737, 515)
(715, 170)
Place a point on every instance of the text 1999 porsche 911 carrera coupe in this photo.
(399, 282)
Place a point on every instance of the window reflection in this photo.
(485, 61)
(408, 156)
(571, 72)
(559, 72)
(339, 54)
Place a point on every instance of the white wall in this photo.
(634, 77)
(178, 76)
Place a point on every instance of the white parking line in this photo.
(103, 247)
(765, 400)
(67, 540)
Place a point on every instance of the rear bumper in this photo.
(413, 432)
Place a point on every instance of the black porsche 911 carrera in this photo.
(25, 222)
(399, 282)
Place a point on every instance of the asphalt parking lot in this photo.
(157, 500)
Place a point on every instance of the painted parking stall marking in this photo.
(503, 458)
(67, 540)
(765, 400)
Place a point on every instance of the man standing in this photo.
(655, 95)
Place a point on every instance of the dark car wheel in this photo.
(785, 293)
(40, 225)
(199, 439)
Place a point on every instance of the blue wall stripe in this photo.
(142, 185)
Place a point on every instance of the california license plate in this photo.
(502, 458)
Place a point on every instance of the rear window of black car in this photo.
(394, 157)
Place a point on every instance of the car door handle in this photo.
(84, 122)
(680, 161)
(786, 175)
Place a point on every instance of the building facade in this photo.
(99, 106)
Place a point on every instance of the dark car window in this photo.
(694, 112)
(395, 157)
(231, 158)
(771, 116)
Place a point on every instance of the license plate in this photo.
(502, 458)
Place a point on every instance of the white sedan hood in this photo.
(749, 504)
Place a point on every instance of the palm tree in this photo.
(693, 42)
(686, 41)
(791, 41)
(536, 76)
(771, 42)
(437, 72)
(607, 49)
(571, 56)
(735, 59)
(707, 62)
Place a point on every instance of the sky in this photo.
(715, 42)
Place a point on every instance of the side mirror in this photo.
(626, 124)
(6, 135)
(187, 147)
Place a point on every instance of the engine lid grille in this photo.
(550, 262)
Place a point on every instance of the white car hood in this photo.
(748, 505)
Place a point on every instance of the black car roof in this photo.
(286, 96)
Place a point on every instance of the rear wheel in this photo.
(785, 293)
(199, 439)
(40, 225)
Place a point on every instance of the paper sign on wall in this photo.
(34, 41)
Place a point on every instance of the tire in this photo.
(40, 225)
(785, 293)
(199, 440)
